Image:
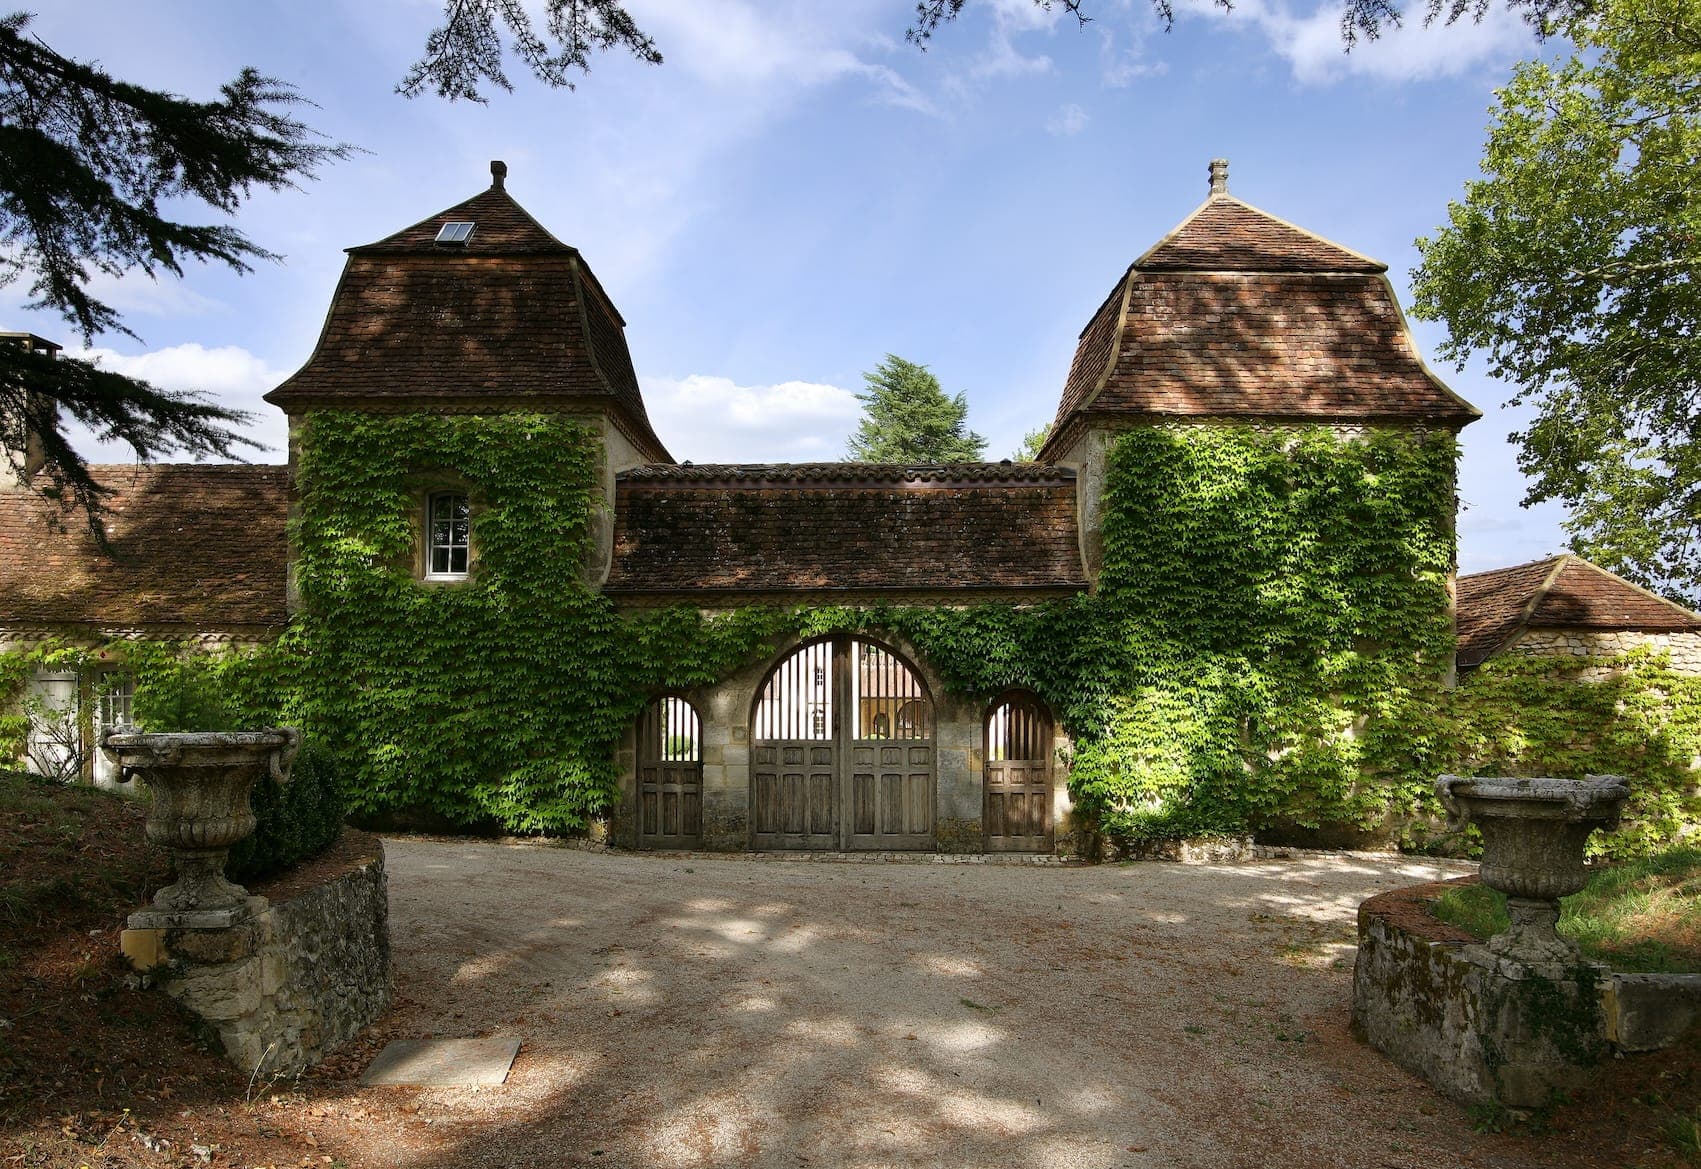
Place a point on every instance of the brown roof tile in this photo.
(199, 548)
(1236, 314)
(513, 317)
(845, 528)
(1225, 235)
(1561, 592)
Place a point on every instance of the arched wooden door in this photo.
(670, 775)
(841, 751)
(1017, 815)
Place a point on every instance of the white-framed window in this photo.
(117, 693)
(448, 532)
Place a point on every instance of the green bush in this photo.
(293, 821)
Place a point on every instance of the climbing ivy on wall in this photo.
(1265, 649)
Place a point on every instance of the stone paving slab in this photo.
(443, 1063)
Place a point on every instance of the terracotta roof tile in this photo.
(196, 547)
(1561, 592)
(1236, 314)
(844, 528)
(1225, 235)
(514, 318)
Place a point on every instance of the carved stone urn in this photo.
(200, 782)
(1533, 831)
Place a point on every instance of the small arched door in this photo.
(1017, 814)
(841, 751)
(670, 775)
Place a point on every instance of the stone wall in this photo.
(1485, 1030)
(295, 981)
(1684, 648)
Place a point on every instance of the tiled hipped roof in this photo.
(1236, 314)
(844, 528)
(1561, 592)
(512, 317)
(195, 549)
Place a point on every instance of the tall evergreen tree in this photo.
(907, 418)
(85, 163)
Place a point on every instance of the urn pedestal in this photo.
(200, 782)
(1533, 832)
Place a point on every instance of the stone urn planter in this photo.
(200, 782)
(1533, 831)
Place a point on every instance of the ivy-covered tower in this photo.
(1237, 316)
(479, 310)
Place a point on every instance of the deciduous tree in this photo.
(1574, 266)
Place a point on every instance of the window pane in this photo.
(450, 534)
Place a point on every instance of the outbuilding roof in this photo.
(508, 317)
(1238, 314)
(838, 529)
(1561, 592)
(194, 549)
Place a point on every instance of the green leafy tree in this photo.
(908, 418)
(86, 162)
(1573, 265)
(1032, 443)
(465, 53)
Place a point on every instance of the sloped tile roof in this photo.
(513, 318)
(1561, 592)
(842, 528)
(195, 548)
(1237, 314)
(1226, 235)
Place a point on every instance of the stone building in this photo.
(846, 742)
(1565, 606)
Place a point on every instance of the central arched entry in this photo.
(841, 751)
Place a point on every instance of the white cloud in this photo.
(1121, 65)
(229, 376)
(706, 419)
(767, 48)
(1067, 122)
(1311, 41)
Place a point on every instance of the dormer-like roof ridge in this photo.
(1237, 314)
(493, 313)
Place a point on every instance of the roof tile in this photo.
(196, 547)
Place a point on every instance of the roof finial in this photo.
(498, 173)
(1219, 176)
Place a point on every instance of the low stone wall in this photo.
(1480, 1029)
(296, 980)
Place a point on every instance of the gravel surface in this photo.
(707, 1011)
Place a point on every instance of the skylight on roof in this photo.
(454, 233)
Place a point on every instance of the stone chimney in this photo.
(24, 454)
(498, 174)
(1219, 176)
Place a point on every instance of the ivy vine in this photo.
(1264, 650)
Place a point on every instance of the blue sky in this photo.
(797, 192)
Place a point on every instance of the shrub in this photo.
(293, 821)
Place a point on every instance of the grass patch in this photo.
(1641, 916)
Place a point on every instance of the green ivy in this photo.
(1264, 650)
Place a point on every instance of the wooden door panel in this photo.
(792, 794)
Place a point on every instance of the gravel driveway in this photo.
(698, 1011)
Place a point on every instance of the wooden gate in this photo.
(842, 751)
(670, 775)
(1017, 816)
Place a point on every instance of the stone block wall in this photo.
(292, 983)
(1684, 648)
(1484, 1030)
